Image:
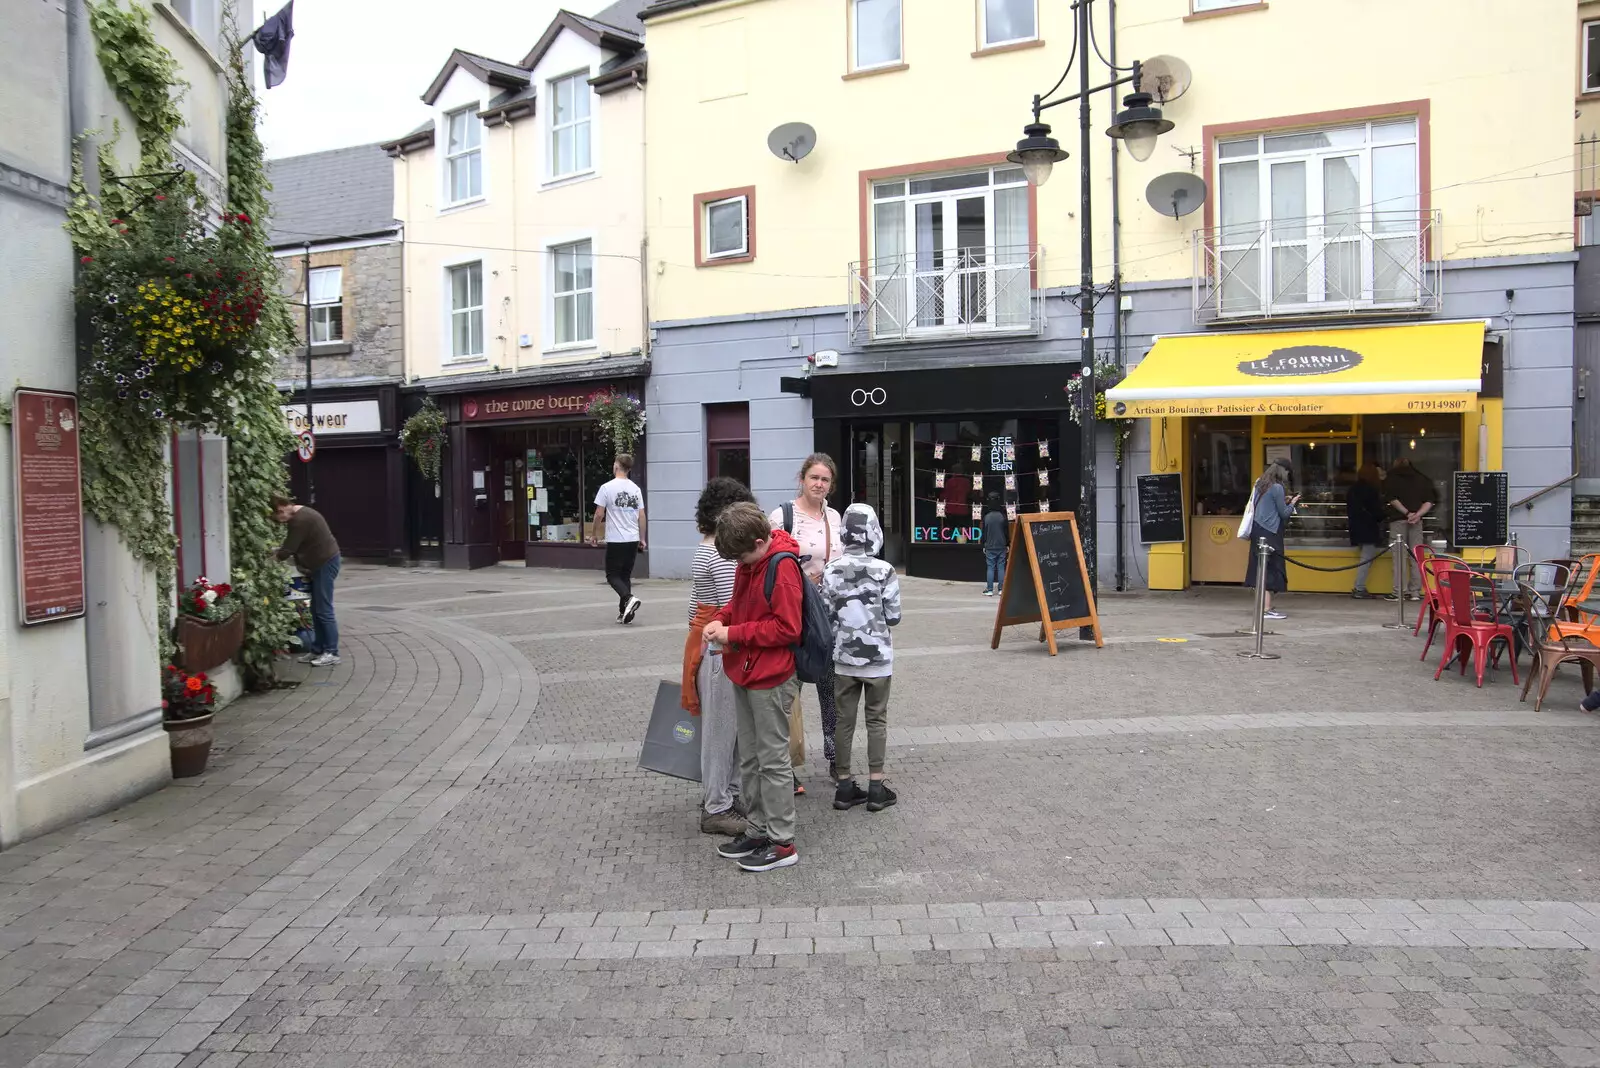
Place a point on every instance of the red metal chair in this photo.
(1463, 627)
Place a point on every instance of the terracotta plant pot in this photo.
(204, 646)
(191, 744)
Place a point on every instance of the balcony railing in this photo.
(990, 290)
(1348, 264)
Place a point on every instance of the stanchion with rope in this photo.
(1397, 550)
(1262, 549)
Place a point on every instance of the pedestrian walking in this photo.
(316, 553)
(1273, 507)
(620, 506)
(996, 544)
(815, 526)
(707, 692)
(1365, 514)
(756, 633)
(1409, 496)
(863, 595)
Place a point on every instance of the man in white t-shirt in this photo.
(620, 505)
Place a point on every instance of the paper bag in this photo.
(672, 741)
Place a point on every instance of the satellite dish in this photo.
(1164, 77)
(1175, 194)
(792, 141)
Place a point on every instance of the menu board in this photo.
(1480, 513)
(49, 496)
(1046, 580)
(1161, 516)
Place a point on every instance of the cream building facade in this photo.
(522, 200)
(1362, 183)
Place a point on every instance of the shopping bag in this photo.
(1248, 520)
(672, 741)
(797, 736)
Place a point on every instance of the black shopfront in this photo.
(358, 472)
(926, 448)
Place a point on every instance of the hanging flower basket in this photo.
(422, 438)
(205, 646)
(619, 419)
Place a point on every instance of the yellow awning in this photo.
(1422, 367)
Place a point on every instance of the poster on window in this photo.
(49, 502)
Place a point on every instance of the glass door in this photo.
(951, 239)
(878, 477)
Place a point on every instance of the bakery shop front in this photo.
(522, 466)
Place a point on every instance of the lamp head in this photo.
(1037, 152)
(1138, 125)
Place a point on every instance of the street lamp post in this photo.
(1137, 126)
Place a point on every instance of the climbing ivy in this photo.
(143, 74)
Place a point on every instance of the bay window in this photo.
(1314, 218)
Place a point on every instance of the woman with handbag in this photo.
(1271, 507)
(816, 527)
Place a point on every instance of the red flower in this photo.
(86, 259)
(188, 276)
(242, 217)
(171, 260)
(161, 196)
(116, 222)
(201, 676)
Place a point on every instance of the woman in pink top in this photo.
(816, 527)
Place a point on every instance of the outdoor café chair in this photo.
(1574, 622)
(1463, 627)
(1433, 595)
(1549, 651)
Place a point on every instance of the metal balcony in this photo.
(1372, 263)
(975, 291)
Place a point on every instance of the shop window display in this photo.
(956, 465)
(552, 475)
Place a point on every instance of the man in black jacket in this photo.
(1409, 495)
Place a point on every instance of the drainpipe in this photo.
(1116, 300)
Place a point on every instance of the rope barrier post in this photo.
(1262, 549)
(1397, 544)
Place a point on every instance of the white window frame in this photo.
(204, 17)
(1200, 7)
(553, 343)
(451, 311)
(1583, 71)
(855, 40)
(1373, 223)
(320, 309)
(983, 20)
(580, 80)
(450, 159)
(710, 255)
(942, 267)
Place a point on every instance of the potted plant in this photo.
(186, 703)
(619, 418)
(210, 624)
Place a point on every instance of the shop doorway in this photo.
(878, 469)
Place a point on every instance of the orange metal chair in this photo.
(1574, 624)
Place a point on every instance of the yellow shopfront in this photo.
(1335, 405)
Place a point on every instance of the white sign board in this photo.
(338, 417)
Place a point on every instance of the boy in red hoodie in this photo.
(756, 636)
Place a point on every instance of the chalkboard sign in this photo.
(1161, 516)
(1046, 581)
(1480, 513)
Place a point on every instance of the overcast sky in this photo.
(357, 68)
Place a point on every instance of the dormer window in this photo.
(463, 165)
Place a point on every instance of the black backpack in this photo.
(813, 655)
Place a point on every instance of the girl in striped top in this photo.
(706, 690)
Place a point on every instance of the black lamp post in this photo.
(1137, 126)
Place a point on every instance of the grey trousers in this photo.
(848, 690)
(1411, 535)
(766, 774)
(719, 736)
(1369, 553)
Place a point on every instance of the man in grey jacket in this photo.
(863, 595)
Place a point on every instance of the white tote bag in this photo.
(1247, 521)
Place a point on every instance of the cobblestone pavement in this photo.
(443, 853)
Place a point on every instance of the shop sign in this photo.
(337, 417)
(530, 403)
(44, 440)
(1337, 404)
(876, 397)
(946, 535)
(1300, 360)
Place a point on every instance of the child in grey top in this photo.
(863, 595)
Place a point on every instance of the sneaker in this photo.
(308, 658)
(729, 824)
(773, 856)
(1274, 614)
(848, 795)
(880, 797)
(1390, 597)
(325, 660)
(799, 787)
(740, 807)
(1361, 595)
(634, 604)
(742, 846)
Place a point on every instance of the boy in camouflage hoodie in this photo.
(863, 594)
